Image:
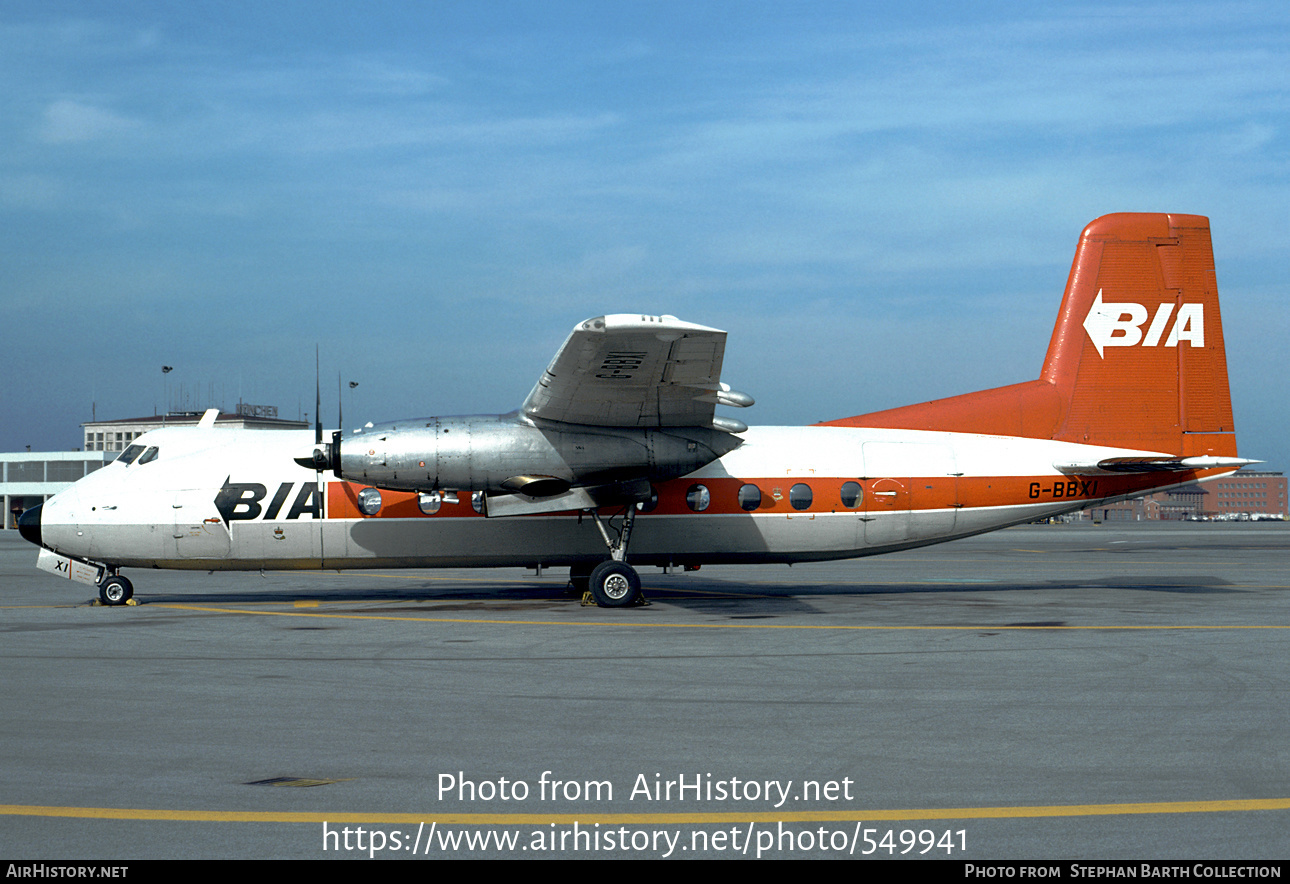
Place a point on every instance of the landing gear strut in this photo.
(115, 590)
(613, 584)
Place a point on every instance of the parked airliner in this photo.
(618, 453)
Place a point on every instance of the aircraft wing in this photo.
(629, 370)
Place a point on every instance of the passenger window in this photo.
(369, 501)
(127, 457)
(852, 494)
(148, 456)
(800, 496)
(429, 502)
(698, 498)
(749, 497)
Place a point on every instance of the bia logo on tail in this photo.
(1120, 325)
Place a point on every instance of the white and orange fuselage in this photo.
(915, 488)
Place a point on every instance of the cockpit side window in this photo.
(148, 456)
(127, 457)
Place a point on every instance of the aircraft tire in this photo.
(615, 585)
(116, 591)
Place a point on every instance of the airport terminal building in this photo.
(31, 477)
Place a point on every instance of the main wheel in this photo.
(615, 585)
(116, 591)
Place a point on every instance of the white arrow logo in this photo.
(1120, 325)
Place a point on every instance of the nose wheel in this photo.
(115, 590)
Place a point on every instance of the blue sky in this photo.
(867, 199)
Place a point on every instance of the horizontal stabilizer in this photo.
(1161, 464)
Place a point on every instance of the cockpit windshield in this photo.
(137, 451)
(127, 457)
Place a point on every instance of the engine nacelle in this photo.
(510, 454)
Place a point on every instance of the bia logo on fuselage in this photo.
(1120, 325)
(237, 501)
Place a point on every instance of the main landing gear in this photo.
(615, 585)
(115, 590)
(612, 583)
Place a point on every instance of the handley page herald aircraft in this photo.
(618, 451)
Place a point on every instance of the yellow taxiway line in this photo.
(636, 623)
(534, 819)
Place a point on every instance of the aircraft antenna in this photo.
(317, 399)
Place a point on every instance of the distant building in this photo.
(1175, 504)
(1244, 494)
(1248, 492)
(116, 435)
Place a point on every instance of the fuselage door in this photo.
(912, 492)
(199, 532)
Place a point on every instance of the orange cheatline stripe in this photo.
(920, 493)
(529, 819)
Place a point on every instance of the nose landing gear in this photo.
(115, 590)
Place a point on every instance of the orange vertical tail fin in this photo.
(1136, 358)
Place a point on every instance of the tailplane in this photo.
(1136, 358)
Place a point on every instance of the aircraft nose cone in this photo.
(29, 524)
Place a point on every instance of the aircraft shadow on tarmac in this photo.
(689, 592)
